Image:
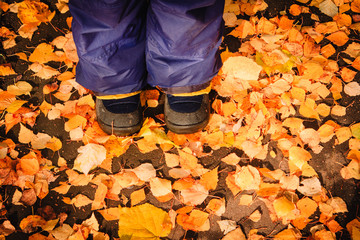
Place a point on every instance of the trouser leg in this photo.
(182, 43)
(110, 41)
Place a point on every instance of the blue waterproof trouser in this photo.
(126, 44)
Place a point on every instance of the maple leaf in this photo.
(144, 222)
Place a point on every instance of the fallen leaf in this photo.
(31, 223)
(160, 188)
(307, 207)
(236, 234)
(329, 8)
(197, 220)
(144, 221)
(90, 156)
(227, 226)
(20, 88)
(216, 206)
(310, 186)
(137, 197)
(283, 207)
(288, 234)
(247, 178)
(29, 164)
(352, 89)
(255, 216)
(145, 172)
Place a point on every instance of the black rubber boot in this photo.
(184, 115)
(121, 117)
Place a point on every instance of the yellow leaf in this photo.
(14, 106)
(244, 29)
(298, 93)
(354, 228)
(54, 144)
(324, 235)
(90, 155)
(343, 134)
(343, 20)
(22, 56)
(352, 170)
(298, 157)
(323, 110)
(307, 109)
(144, 222)
(25, 134)
(20, 88)
(231, 159)
(4, 6)
(283, 207)
(237, 234)
(327, 50)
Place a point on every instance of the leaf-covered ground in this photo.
(279, 159)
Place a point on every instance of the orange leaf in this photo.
(295, 10)
(6, 70)
(285, 23)
(29, 164)
(210, 179)
(43, 53)
(334, 226)
(244, 29)
(356, 63)
(327, 50)
(31, 223)
(343, 20)
(110, 214)
(338, 38)
(216, 206)
(11, 120)
(307, 207)
(196, 221)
